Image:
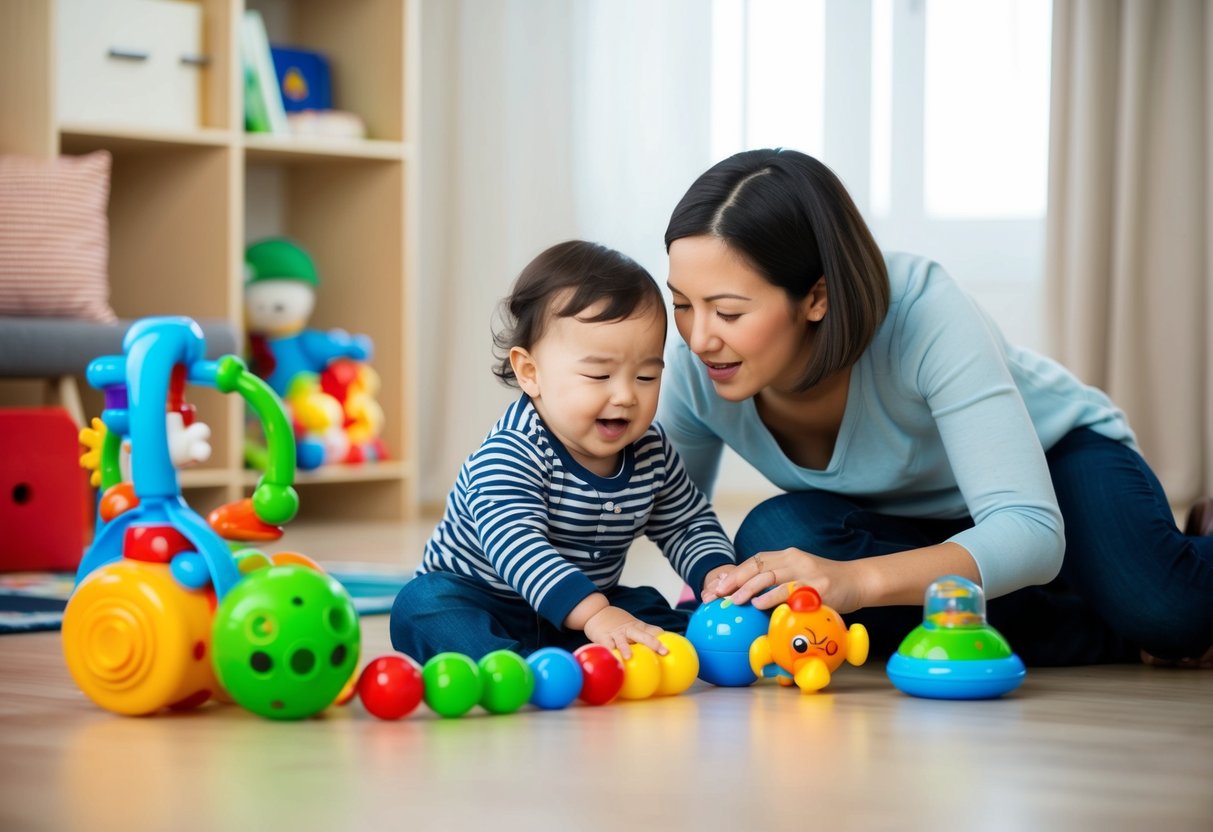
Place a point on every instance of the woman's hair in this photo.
(564, 281)
(791, 218)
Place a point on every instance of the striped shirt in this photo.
(528, 520)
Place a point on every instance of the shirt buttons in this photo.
(609, 505)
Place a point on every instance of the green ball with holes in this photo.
(286, 640)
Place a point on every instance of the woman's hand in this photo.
(837, 581)
(616, 628)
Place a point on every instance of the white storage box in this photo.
(129, 63)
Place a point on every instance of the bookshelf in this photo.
(185, 201)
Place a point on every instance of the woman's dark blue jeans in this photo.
(1130, 580)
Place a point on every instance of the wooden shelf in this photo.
(262, 147)
(118, 139)
(370, 472)
(184, 203)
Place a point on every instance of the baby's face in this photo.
(596, 383)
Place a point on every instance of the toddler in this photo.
(538, 525)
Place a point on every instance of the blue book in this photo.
(303, 77)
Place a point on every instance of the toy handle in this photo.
(274, 499)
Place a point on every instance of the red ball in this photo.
(390, 686)
(601, 674)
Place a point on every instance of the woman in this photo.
(911, 439)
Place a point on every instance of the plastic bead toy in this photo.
(452, 684)
(721, 633)
(679, 667)
(641, 673)
(164, 610)
(557, 678)
(390, 687)
(508, 682)
(602, 674)
(955, 653)
(806, 642)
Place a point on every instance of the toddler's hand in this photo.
(714, 580)
(613, 627)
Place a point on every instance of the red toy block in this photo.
(45, 503)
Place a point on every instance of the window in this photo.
(933, 112)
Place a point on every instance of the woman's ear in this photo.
(816, 303)
(525, 371)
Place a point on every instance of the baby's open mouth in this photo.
(611, 429)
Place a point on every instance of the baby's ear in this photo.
(525, 371)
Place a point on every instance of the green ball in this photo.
(452, 684)
(508, 682)
(286, 640)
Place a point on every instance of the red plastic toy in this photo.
(390, 687)
(602, 674)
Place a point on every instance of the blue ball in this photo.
(722, 633)
(557, 678)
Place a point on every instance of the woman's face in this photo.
(748, 333)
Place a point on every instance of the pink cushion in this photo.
(54, 236)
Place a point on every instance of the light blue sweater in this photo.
(943, 419)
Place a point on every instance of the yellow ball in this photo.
(679, 667)
(641, 673)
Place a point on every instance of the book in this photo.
(328, 124)
(264, 111)
(303, 79)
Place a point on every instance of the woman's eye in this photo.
(679, 307)
(725, 316)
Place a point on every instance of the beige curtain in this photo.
(1129, 252)
(541, 120)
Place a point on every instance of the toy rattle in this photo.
(164, 613)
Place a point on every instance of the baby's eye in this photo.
(646, 378)
(595, 378)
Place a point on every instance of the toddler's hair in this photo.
(577, 275)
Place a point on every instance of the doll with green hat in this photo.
(280, 295)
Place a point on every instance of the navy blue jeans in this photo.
(1130, 581)
(440, 611)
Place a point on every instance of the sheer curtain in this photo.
(541, 120)
(1129, 262)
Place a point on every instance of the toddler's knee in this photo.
(415, 605)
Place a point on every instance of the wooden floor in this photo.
(1106, 748)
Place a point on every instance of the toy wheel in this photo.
(136, 641)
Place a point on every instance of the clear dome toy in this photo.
(955, 653)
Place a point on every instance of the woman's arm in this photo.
(899, 578)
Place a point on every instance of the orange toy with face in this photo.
(806, 642)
